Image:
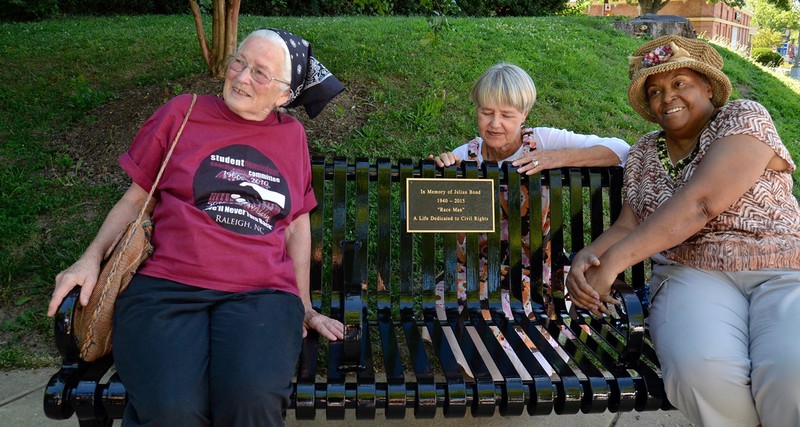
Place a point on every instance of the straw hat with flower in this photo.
(670, 53)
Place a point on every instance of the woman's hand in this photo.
(82, 273)
(331, 329)
(580, 292)
(445, 159)
(539, 160)
(589, 284)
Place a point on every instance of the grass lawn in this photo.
(408, 96)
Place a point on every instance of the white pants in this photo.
(729, 344)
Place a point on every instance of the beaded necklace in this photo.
(673, 171)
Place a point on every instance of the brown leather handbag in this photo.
(129, 250)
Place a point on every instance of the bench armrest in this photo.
(633, 321)
(64, 332)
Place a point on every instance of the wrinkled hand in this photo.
(537, 161)
(82, 273)
(331, 329)
(589, 284)
(445, 159)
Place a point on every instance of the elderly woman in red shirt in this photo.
(210, 328)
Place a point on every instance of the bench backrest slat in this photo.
(383, 253)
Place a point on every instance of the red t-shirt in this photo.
(229, 191)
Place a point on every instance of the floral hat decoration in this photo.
(670, 53)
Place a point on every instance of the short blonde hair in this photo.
(505, 84)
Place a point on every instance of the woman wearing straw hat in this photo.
(709, 198)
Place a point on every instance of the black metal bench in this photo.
(399, 356)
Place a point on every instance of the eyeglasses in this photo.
(238, 64)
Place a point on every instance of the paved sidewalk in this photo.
(21, 406)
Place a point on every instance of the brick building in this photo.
(709, 20)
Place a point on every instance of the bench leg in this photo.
(106, 422)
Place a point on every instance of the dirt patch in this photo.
(107, 131)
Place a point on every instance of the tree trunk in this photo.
(651, 6)
(224, 27)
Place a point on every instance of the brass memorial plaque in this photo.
(444, 205)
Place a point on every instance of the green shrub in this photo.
(576, 9)
(512, 7)
(767, 37)
(759, 51)
(766, 57)
(122, 7)
(439, 9)
(27, 10)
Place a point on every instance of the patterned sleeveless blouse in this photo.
(759, 231)
(473, 150)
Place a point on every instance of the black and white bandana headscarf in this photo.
(312, 85)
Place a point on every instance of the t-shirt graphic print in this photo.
(241, 190)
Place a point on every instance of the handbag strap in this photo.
(166, 159)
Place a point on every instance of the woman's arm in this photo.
(85, 270)
(560, 148)
(298, 247)
(731, 166)
(539, 160)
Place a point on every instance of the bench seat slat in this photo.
(541, 384)
(424, 393)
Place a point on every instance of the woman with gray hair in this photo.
(503, 98)
(209, 330)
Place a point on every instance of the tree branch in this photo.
(201, 32)
(218, 30)
(231, 27)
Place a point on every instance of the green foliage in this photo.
(18, 357)
(82, 97)
(437, 12)
(732, 3)
(769, 17)
(300, 8)
(767, 57)
(374, 7)
(124, 7)
(767, 38)
(759, 51)
(577, 9)
(27, 10)
(512, 7)
(778, 4)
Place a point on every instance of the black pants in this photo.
(197, 357)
